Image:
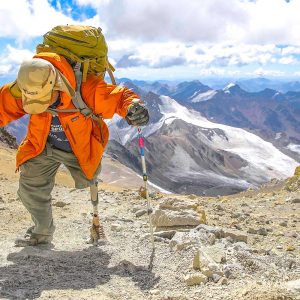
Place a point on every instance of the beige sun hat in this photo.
(37, 79)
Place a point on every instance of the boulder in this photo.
(173, 212)
(195, 279)
(203, 262)
(180, 241)
(170, 218)
(236, 235)
(216, 231)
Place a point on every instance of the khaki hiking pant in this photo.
(37, 181)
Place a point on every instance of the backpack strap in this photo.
(54, 111)
(77, 99)
(110, 69)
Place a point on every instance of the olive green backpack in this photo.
(82, 44)
(86, 46)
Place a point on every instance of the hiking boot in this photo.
(32, 239)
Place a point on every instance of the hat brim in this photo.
(36, 106)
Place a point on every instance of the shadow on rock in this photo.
(35, 270)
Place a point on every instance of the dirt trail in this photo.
(119, 269)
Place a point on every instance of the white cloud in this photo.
(258, 22)
(24, 19)
(291, 50)
(11, 58)
(265, 72)
(273, 21)
(5, 69)
(288, 60)
(159, 55)
(209, 35)
(297, 73)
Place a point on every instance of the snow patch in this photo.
(278, 135)
(203, 96)
(228, 87)
(294, 147)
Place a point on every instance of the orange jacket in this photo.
(83, 134)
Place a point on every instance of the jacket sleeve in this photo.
(111, 99)
(10, 107)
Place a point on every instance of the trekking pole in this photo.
(141, 142)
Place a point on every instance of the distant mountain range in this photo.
(208, 141)
(250, 85)
(259, 84)
(270, 114)
(273, 115)
(187, 153)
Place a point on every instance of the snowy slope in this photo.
(198, 97)
(263, 157)
(258, 160)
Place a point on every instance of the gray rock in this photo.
(291, 234)
(236, 235)
(180, 241)
(236, 215)
(140, 212)
(230, 270)
(60, 204)
(116, 227)
(159, 239)
(211, 238)
(283, 224)
(216, 278)
(223, 281)
(217, 231)
(241, 246)
(219, 207)
(295, 200)
(165, 234)
(136, 208)
(262, 231)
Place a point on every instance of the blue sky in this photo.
(162, 39)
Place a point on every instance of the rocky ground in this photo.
(245, 246)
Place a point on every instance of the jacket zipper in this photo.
(71, 133)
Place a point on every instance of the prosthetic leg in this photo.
(97, 231)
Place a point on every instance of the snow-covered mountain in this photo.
(188, 153)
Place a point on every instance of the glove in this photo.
(137, 115)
